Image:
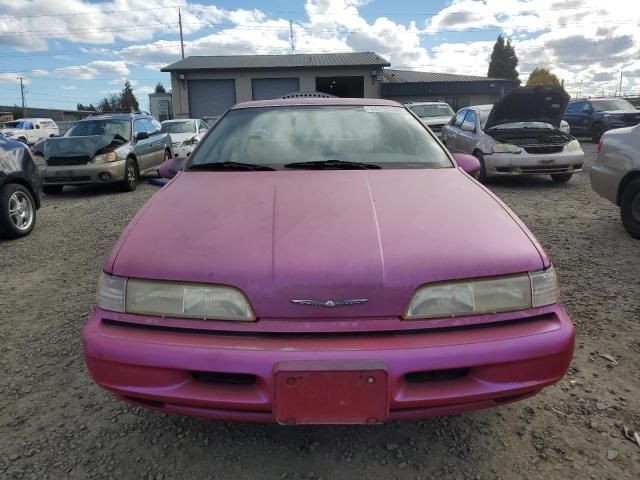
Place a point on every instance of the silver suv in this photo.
(109, 148)
(434, 115)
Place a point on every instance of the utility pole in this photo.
(181, 39)
(620, 82)
(24, 112)
(292, 39)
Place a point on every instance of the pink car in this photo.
(326, 261)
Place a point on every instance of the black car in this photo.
(593, 117)
(20, 185)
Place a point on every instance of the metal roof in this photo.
(410, 76)
(303, 60)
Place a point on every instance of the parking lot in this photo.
(56, 423)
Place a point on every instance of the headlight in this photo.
(506, 148)
(105, 157)
(572, 146)
(168, 299)
(482, 296)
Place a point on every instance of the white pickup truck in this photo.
(30, 130)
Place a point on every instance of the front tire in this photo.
(17, 211)
(52, 189)
(561, 177)
(482, 175)
(630, 208)
(131, 176)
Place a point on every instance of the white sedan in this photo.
(185, 135)
(616, 174)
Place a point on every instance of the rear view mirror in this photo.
(142, 135)
(468, 163)
(171, 166)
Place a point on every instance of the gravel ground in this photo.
(56, 423)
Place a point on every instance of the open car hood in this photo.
(536, 103)
(77, 146)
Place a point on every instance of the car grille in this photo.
(543, 148)
(59, 161)
(631, 118)
(175, 144)
(545, 169)
(58, 180)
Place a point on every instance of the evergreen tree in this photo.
(160, 88)
(128, 100)
(503, 61)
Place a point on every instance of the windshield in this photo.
(274, 136)
(188, 126)
(484, 116)
(424, 111)
(612, 104)
(87, 128)
(19, 124)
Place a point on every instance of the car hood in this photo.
(435, 120)
(535, 103)
(324, 235)
(620, 112)
(76, 146)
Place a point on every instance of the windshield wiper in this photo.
(333, 164)
(240, 166)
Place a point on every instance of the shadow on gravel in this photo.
(90, 191)
(529, 182)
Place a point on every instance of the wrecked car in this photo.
(325, 261)
(521, 134)
(185, 134)
(103, 149)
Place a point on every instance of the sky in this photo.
(73, 51)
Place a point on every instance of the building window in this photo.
(350, 87)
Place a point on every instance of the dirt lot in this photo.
(55, 423)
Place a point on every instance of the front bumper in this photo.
(500, 164)
(84, 174)
(445, 371)
(182, 151)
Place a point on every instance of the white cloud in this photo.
(143, 91)
(12, 78)
(93, 70)
(69, 87)
(121, 80)
(39, 72)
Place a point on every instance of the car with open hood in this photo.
(185, 134)
(111, 148)
(19, 189)
(520, 134)
(325, 260)
(435, 115)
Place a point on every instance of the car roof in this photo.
(178, 120)
(117, 116)
(427, 103)
(285, 102)
(31, 119)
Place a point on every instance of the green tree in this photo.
(543, 76)
(128, 100)
(89, 107)
(16, 111)
(503, 61)
(160, 88)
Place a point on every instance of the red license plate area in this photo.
(331, 396)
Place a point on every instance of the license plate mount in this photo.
(330, 393)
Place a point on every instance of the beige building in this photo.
(207, 86)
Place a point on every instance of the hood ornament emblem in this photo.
(331, 303)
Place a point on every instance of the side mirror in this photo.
(142, 135)
(171, 166)
(468, 127)
(468, 163)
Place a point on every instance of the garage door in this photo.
(268, 88)
(210, 98)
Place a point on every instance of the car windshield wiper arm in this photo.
(337, 164)
(240, 166)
